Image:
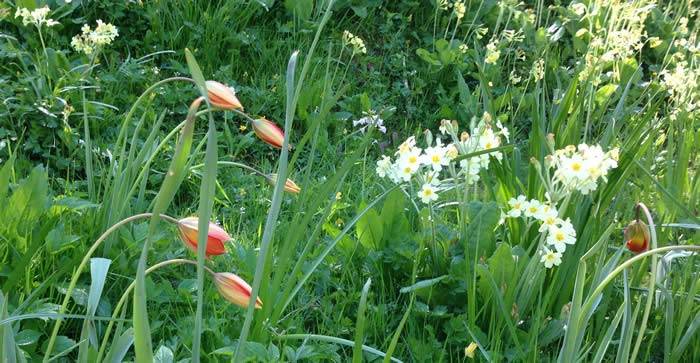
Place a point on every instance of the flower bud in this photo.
(189, 233)
(428, 137)
(637, 236)
(222, 96)
(289, 185)
(269, 132)
(235, 289)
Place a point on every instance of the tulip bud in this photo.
(189, 233)
(269, 132)
(637, 236)
(235, 289)
(222, 96)
(289, 185)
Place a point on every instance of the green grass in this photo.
(356, 267)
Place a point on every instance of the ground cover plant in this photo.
(407, 181)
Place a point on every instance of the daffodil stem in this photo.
(84, 263)
(652, 281)
(125, 295)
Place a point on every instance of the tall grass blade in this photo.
(360, 325)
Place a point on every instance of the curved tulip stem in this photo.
(233, 163)
(652, 281)
(125, 295)
(608, 279)
(81, 267)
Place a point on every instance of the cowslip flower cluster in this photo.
(581, 167)
(557, 232)
(355, 42)
(92, 39)
(425, 165)
(37, 17)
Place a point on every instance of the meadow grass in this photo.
(403, 181)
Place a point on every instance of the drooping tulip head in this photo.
(289, 185)
(222, 96)
(269, 132)
(189, 233)
(235, 289)
(637, 236)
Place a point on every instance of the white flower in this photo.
(459, 9)
(406, 171)
(406, 146)
(550, 258)
(558, 238)
(435, 157)
(517, 205)
(428, 193)
(90, 40)
(384, 166)
(532, 208)
(36, 17)
(370, 119)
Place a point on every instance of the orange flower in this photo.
(235, 289)
(269, 132)
(189, 232)
(222, 96)
(637, 236)
(289, 185)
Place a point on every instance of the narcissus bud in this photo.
(235, 289)
(222, 96)
(189, 233)
(289, 185)
(269, 132)
(637, 236)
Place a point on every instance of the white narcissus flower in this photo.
(532, 208)
(435, 157)
(558, 238)
(517, 205)
(550, 258)
(428, 193)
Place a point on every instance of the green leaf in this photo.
(58, 240)
(300, 8)
(483, 219)
(27, 337)
(422, 284)
(360, 325)
(164, 355)
(119, 349)
(370, 230)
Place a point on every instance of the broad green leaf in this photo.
(370, 230)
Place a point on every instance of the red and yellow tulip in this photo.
(222, 96)
(289, 185)
(637, 236)
(269, 132)
(189, 233)
(235, 289)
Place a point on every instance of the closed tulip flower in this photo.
(235, 289)
(289, 185)
(269, 132)
(637, 236)
(222, 96)
(189, 233)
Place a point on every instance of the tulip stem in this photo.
(652, 281)
(599, 289)
(84, 263)
(125, 295)
(233, 163)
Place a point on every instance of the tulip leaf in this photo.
(422, 284)
(121, 347)
(360, 325)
